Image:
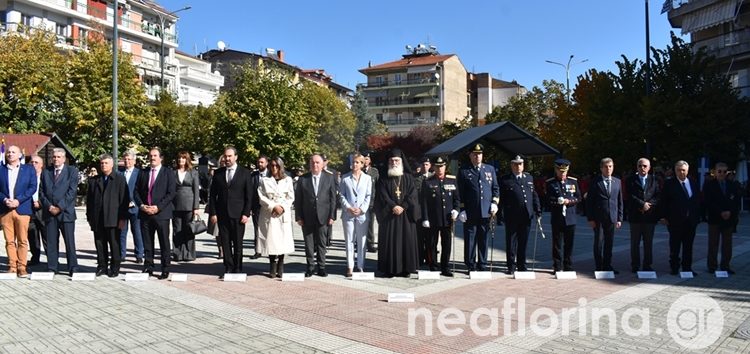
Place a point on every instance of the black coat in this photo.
(639, 195)
(107, 205)
(518, 199)
(602, 206)
(231, 200)
(162, 193)
(716, 202)
(312, 209)
(675, 205)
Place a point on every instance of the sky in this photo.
(510, 39)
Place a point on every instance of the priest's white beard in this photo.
(396, 171)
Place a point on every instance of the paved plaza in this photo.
(339, 315)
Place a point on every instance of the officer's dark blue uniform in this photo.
(440, 198)
(520, 204)
(562, 196)
(478, 188)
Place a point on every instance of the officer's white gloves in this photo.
(426, 224)
(462, 216)
(454, 214)
(493, 208)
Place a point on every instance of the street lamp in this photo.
(162, 21)
(115, 48)
(567, 71)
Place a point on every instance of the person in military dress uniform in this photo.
(563, 194)
(440, 204)
(520, 203)
(423, 234)
(480, 193)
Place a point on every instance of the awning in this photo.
(504, 135)
(709, 16)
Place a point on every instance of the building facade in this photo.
(486, 93)
(76, 21)
(196, 83)
(423, 87)
(722, 27)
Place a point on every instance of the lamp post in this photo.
(162, 21)
(115, 48)
(567, 71)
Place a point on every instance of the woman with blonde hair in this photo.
(355, 192)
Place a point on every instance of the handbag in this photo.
(197, 225)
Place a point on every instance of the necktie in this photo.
(315, 185)
(57, 174)
(518, 179)
(684, 188)
(151, 186)
(106, 181)
(643, 182)
(230, 175)
(723, 185)
(607, 185)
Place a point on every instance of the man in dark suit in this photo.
(480, 194)
(520, 204)
(681, 211)
(563, 194)
(17, 187)
(315, 209)
(107, 201)
(230, 203)
(423, 234)
(37, 234)
(153, 196)
(256, 176)
(131, 174)
(604, 210)
(58, 195)
(722, 198)
(643, 197)
(374, 175)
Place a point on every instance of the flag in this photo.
(667, 6)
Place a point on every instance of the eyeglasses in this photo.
(642, 165)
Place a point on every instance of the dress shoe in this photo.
(433, 268)
(100, 271)
(113, 273)
(446, 273)
(567, 269)
(322, 273)
(163, 275)
(255, 256)
(349, 273)
(523, 269)
(139, 260)
(510, 271)
(22, 273)
(308, 273)
(648, 269)
(372, 249)
(359, 270)
(729, 270)
(149, 271)
(72, 271)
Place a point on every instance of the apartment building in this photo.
(722, 28)
(196, 83)
(139, 30)
(486, 93)
(423, 87)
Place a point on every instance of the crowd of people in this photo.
(416, 214)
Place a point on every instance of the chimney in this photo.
(280, 55)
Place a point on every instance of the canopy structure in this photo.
(505, 135)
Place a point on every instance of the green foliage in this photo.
(335, 122)
(367, 125)
(532, 111)
(32, 81)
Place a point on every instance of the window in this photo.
(418, 115)
(26, 20)
(379, 117)
(61, 30)
(397, 79)
(378, 81)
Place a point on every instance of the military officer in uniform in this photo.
(520, 204)
(423, 234)
(562, 196)
(480, 194)
(440, 204)
(374, 175)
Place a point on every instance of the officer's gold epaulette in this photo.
(450, 176)
(551, 179)
(572, 178)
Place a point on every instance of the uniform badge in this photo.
(449, 187)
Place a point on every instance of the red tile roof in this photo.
(409, 61)
(29, 143)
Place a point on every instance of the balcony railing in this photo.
(724, 44)
(409, 121)
(208, 77)
(406, 103)
(386, 83)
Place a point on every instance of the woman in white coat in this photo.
(355, 191)
(276, 194)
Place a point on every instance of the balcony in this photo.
(209, 78)
(400, 104)
(193, 96)
(409, 121)
(401, 83)
(726, 45)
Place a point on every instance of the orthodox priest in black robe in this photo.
(397, 209)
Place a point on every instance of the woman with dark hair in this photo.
(185, 203)
(276, 194)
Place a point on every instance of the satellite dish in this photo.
(408, 47)
(221, 45)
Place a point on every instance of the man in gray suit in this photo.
(58, 196)
(131, 174)
(604, 210)
(315, 209)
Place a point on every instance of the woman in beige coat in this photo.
(276, 194)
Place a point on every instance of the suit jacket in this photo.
(256, 176)
(569, 189)
(639, 195)
(231, 200)
(602, 206)
(353, 194)
(131, 188)
(60, 193)
(187, 195)
(312, 209)
(24, 190)
(162, 193)
(478, 189)
(374, 175)
(519, 199)
(717, 201)
(109, 204)
(676, 206)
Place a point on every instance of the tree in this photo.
(336, 123)
(533, 110)
(86, 123)
(32, 81)
(264, 113)
(367, 125)
(172, 129)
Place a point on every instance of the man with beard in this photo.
(397, 210)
